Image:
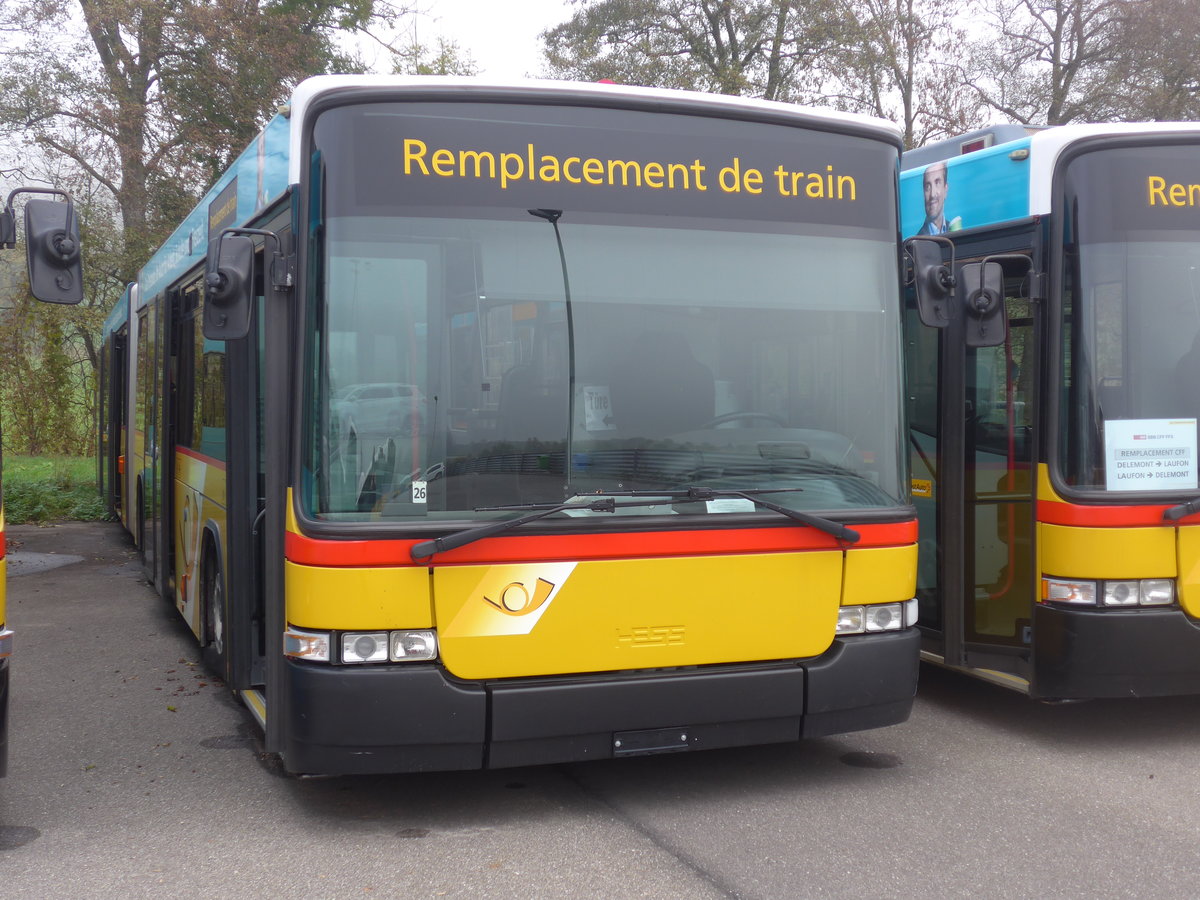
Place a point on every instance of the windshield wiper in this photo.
(608, 503)
(837, 529)
(1174, 513)
(424, 549)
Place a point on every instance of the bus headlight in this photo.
(413, 645)
(1120, 593)
(388, 646)
(1157, 592)
(361, 647)
(885, 617)
(850, 620)
(364, 647)
(1125, 593)
(873, 618)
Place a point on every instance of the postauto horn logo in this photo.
(509, 600)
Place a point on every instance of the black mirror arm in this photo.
(283, 275)
(980, 301)
(1010, 257)
(65, 245)
(947, 279)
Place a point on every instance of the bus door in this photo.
(194, 466)
(116, 422)
(971, 416)
(179, 419)
(149, 418)
(242, 659)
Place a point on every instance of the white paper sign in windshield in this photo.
(1150, 454)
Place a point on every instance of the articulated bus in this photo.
(52, 263)
(1054, 416)
(481, 426)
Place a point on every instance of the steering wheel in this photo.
(745, 414)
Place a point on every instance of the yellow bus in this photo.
(55, 276)
(478, 425)
(1054, 416)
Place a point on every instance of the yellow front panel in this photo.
(557, 618)
(1189, 569)
(327, 599)
(1073, 552)
(880, 575)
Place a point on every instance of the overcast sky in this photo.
(501, 35)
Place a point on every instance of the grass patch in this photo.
(42, 489)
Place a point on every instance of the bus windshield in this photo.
(468, 359)
(1132, 327)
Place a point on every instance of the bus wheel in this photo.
(212, 590)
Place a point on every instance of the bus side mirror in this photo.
(983, 300)
(229, 281)
(52, 252)
(932, 279)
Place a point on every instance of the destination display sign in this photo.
(1136, 193)
(410, 155)
(1150, 454)
(222, 210)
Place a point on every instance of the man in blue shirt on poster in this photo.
(934, 184)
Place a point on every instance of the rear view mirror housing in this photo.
(933, 279)
(52, 250)
(983, 301)
(982, 289)
(229, 283)
(229, 279)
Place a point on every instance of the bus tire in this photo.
(212, 594)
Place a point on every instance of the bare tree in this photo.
(1046, 62)
(891, 62)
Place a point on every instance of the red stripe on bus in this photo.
(309, 551)
(200, 457)
(1051, 512)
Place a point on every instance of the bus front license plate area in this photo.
(644, 743)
